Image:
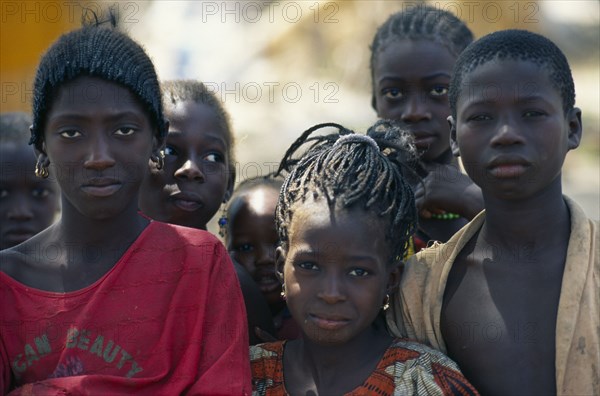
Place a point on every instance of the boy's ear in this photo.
(280, 254)
(373, 103)
(575, 128)
(453, 142)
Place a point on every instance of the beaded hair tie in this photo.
(445, 216)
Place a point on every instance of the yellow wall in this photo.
(27, 28)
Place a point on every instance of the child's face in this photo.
(411, 79)
(511, 129)
(335, 271)
(28, 204)
(196, 177)
(252, 239)
(98, 139)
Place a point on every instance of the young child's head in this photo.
(199, 166)
(251, 237)
(412, 56)
(512, 98)
(97, 119)
(344, 217)
(28, 204)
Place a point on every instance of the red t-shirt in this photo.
(168, 318)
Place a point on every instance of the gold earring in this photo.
(283, 295)
(159, 159)
(41, 171)
(386, 302)
(160, 163)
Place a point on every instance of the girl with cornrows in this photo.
(344, 217)
(412, 56)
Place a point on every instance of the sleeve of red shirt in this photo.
(225, 361)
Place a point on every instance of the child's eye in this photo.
(170, 151)
(392, 93)
(479, 117)
(533, 113)
(214, 157)
(40, 192)
(439, 90)
(70, 134)
(125, 131)
(308, 266)
(244, 248)
(3, 193)
(359, 272)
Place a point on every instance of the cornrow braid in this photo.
(352, 170)
(421, 23)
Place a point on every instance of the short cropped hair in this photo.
(177, 91)
(515, 45)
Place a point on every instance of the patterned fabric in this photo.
(407, 368)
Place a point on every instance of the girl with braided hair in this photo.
(412, 56)
(106, 301)
(344, 216)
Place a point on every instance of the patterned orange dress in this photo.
(407, 368)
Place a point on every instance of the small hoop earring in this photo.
(386, 302)
(41, 171)
(223, 222)
(283, 295)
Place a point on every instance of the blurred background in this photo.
(283, 66)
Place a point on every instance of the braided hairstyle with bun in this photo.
(352, 170)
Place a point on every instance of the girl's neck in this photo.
(95, 244)
(77, 228)
(445, 158)
(334, 369)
